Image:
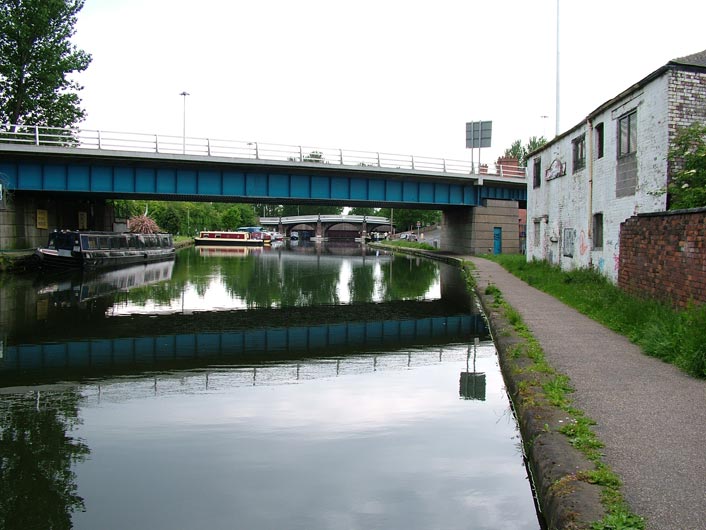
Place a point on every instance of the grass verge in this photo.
(407, 244)
(676, 337)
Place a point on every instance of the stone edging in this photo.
(565, 501)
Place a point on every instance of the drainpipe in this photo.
(590, 190)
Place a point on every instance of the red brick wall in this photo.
(663, 256)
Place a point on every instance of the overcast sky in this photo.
(377, 75)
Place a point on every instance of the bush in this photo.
(142, 224)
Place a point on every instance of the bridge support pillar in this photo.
(27, 220)
(319, 229)
(491, 228)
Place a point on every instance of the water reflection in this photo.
(308, 387)
(300, 302)
(76, 287)
(472, 383)
(37, 450)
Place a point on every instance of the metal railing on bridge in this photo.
(325, 218)
(75, 138)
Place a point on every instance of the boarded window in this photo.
(597, 231)
(568, 242)
(537, 232)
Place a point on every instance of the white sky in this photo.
(397, 76)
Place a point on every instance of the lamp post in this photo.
(557, 68)
(183, 137)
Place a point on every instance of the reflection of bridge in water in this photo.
(205, 339)
(305, 251)
(291, 371)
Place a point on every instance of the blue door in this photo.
(497, 240)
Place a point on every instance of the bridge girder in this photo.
(170, 177)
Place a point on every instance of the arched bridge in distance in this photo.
(321, 225)
(40, 162)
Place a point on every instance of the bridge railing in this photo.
(75, 138)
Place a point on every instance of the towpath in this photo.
(650, 415)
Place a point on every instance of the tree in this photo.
(520, 152)
(687, 186)
(362, 210)
(405, 219)
(515, 150)
(238, 215)
(36, 60)
(170, 219)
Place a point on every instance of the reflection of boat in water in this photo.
(236, 251)
(217, 251)
(244, 236)
(74, 249)
(79, 288)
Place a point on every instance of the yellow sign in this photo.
(42, 219)
(42, 309)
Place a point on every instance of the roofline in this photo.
(671, 65)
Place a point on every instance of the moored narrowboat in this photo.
(92, 250)
(245, 236)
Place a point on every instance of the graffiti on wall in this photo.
(583, 243)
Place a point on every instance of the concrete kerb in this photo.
(565, 501)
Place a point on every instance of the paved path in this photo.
(651, 416)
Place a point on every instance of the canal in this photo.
(303, 387)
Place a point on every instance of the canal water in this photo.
(304, 387)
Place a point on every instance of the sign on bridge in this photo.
(478, 134)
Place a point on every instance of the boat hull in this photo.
(78, 256)
(216, 242)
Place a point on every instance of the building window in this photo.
(569, 240)
(579, 148)
(537, 232)
(626, 175)
(627, 134)
(597, 231)
(537, 172)
(600, 140)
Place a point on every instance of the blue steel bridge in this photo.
(41, 160)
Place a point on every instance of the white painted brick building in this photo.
(584, 183)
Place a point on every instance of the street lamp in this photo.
(183, 137)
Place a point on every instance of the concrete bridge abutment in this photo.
(473, 230)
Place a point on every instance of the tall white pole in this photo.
(558, 130)
(183, 137)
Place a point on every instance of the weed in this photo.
(492, 290)
(620, 520)
(556, 390)
(582, 437)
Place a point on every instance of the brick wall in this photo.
(663, 256)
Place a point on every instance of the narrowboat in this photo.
(90, 250)
(245, 236)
